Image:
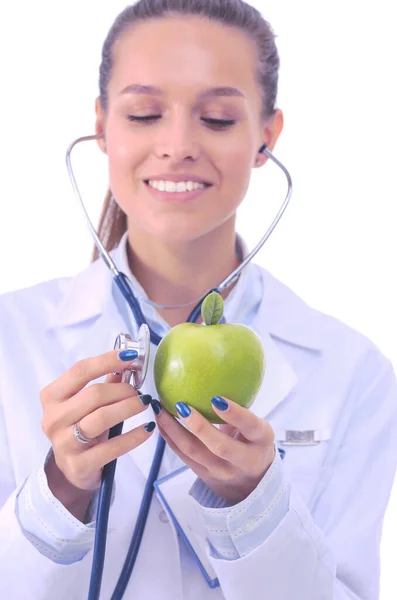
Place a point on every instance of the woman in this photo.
(187, 94)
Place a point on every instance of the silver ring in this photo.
(79, 436)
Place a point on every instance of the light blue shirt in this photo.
(232, 531)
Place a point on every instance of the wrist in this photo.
(74, 499)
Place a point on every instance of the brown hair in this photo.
(234, 13)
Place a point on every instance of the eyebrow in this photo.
(136, 88)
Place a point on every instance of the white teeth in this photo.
(172, 186)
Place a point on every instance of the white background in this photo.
(336, 246)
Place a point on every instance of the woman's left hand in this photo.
(230, 460)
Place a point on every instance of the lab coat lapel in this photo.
(273, 326)
(279, 378)
(278, 382)
(87, 322)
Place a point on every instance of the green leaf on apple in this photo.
(212, 309)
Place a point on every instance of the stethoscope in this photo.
(138, 375)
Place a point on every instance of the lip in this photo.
(177, 197)
(178, 177)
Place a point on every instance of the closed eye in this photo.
(211, 122)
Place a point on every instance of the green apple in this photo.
(194, 363)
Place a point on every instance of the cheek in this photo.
(238, 173)
(124, 151)
(124, 160)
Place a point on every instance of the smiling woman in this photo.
(285, 499)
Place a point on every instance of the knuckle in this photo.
(95, 393)
(226, 473)
(200, 428)
(50, 421)
(101, 421)
(80, 368)
(222, 450)
(45, 395)
(259, 433)
(267, 431)
(190, 449)
(47, 425)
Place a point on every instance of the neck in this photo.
(176, 273)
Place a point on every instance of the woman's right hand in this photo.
(74, 470)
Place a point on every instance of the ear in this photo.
(100, 126)
(271, 131)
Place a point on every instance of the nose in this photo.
(177, 140)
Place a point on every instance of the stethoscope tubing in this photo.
(108, 474)
(230, 278)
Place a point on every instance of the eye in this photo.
(217, 123)
(143, 119)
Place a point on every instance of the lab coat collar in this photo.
(87, 296)
(79, 304)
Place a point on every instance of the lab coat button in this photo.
(249, 525)
(163, 517)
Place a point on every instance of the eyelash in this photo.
(213, 122)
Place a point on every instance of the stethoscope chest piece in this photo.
(142, 345)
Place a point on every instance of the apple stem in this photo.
(212, 308)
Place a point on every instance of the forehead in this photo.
(185, 51)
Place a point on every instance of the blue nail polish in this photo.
(156, 406)
(146, 399)
(183, 409)
(219, 403)
(150, 426)
(128, 355)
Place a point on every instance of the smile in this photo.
(179, 186)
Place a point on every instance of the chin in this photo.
(180, 230)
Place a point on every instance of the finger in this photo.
(80, 374)
(96, 396)
(113, 378)
(218, 442)
(102, 419)
(200, 470)
(253, 428)
(231, 431)
(186, 441)
(102, 454)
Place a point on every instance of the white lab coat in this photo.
(321, 376)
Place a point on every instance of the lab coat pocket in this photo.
(304, 461)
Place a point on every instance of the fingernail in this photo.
(146, 399)
(219, 403)
(183, 409)
(128, 355)
(150, 426)
(156, 406)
